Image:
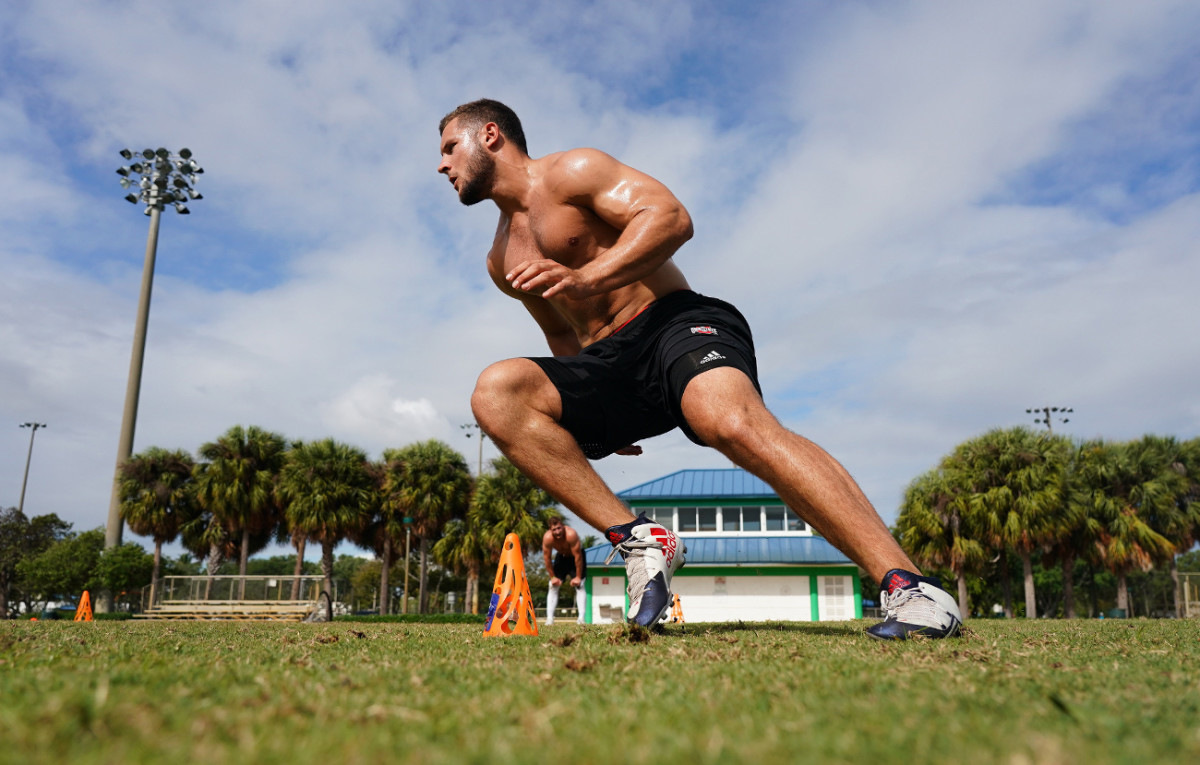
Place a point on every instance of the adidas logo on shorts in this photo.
(712, 356)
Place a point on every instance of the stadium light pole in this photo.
(33, 432)
(158, 178)
(475, 426)
(1049, 413)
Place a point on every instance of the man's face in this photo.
(468, 165)
(557, 529)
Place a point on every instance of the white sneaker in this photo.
(917, 605)
(652, 555)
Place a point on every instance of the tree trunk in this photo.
(963, 605)
(473, 586)
(242, 560)
(3, 598)
(1068, 577)
(1123, 593)
(1030, 595)
(1008, 596)
(422, 596)
(301, 542)
(327, 567)
(154, 573)
(1177, 588)
(385, 590)
(214, 562)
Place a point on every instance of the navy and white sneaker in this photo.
(652, 555)
(917, 605)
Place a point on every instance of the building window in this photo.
(794, 523)
(752, 518)
(687, 519)
(775, 515)
(731, 519)
(664, 516)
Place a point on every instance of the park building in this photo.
(748, 558)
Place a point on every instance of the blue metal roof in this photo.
(741, 551)
(691, 484)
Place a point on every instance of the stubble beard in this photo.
(481, 172)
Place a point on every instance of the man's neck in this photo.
(513, 183)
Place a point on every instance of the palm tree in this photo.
(1174, 514)
(238, 484)
(155, 491)
(1186, 535)
(1119, 485)
(328, 494)
(429, 482)
(936, 527)
(383, 533)
(511, 503)
(461, 549)
(1016, 480)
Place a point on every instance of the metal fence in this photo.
(1191, 594)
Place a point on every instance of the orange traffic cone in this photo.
(510, 595)
(84, 612)
(677, 611)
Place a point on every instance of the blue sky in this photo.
(935, 216)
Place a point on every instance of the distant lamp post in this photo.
(1050, 413)
(33, 432)
(475, 426)
(156, 178)
(408, 521)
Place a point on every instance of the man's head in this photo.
(466, 160)
(556, 527)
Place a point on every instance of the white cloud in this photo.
(928, 213)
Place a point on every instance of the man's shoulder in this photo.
(580, 164)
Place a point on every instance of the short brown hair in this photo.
(478, 113)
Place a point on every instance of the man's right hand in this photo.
(555, 581)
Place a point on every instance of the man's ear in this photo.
(490, 135)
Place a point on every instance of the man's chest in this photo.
(564, 233)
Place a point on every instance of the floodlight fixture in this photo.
(148, 153)
(186, 153)
(1049, 414)
(126, 153)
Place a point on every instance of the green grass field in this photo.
(220, 692)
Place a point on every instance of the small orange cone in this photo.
(676, 611)
(510, 595)
(84, 612)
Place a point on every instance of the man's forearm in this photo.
(648, 242)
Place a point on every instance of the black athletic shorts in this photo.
(564, 567)
(628, 386)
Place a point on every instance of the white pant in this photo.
(552, 602)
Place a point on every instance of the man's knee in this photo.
(724, 410)
(723, 428)
(506, 383)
